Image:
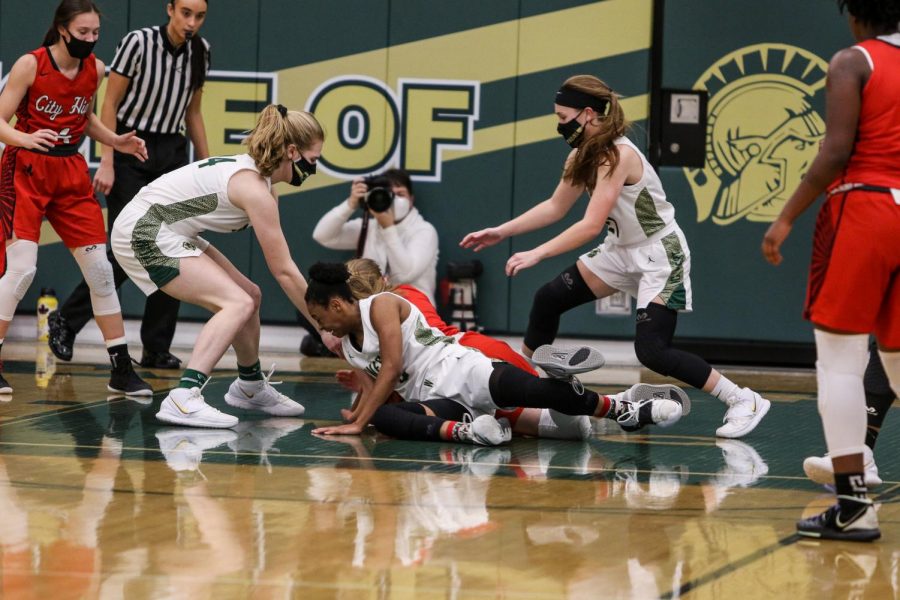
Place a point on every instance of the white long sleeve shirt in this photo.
(407, 252)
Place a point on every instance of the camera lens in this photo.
(380, 196)
(379, 199)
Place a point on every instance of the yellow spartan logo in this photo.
(762, 133)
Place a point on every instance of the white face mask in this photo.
(401, 207)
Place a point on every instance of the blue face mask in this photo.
(302, 170)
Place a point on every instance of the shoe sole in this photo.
(187, 421)
(123, 392)
(760, 413)
(238, 403)
(647, 390)
(824, 476)
(567, 361)
(854, 535)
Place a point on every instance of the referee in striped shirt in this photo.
(155, 87)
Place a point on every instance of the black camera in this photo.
(466, 269)
(379, 196)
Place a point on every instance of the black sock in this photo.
(851, 490)
(877, 406)
(118, 356)
(511, 386)
(407, 423)
(879, 395)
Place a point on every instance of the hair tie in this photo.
(282, 110)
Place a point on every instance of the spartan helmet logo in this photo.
(762, 134)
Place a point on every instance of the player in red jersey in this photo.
(51, 91)
(854, 280)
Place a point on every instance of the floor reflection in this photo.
(100, 501)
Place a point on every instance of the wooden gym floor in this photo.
(98, 500)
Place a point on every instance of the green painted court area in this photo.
(270, 508)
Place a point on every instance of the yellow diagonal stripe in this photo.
(493, 52)
(485, 54)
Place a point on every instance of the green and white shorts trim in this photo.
(149, 251)
(661, 267)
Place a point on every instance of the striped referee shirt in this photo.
(160, 89)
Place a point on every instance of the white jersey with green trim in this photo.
(424, 348)
(194, 198)
(641, 211)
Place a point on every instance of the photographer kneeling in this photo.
(391, 232)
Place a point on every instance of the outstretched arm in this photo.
(127, 143)
(543, 214)
(248, 191)
(847, 74)
(606, 193)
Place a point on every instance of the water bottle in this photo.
(44, 366)
(46, 304)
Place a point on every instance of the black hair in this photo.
(199, 58)
(399, 177)
(327, 280)
(65, 14)
(875, 13)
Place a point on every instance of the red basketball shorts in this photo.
(34, 186)
(854, 275)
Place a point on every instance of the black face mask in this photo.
(79, 49)
(572, 131)
(302, 169)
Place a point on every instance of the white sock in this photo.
(725, 389)
(842, 399)
(115, 342)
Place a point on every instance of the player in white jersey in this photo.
(157, 241)
(389, 338)
(644, 252)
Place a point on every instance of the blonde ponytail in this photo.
(366, 278)
(277, 127)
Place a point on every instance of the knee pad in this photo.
(655, 327)
(21, 262)
(653, 346)
(98, 274)
(841, 362)
(562, 293)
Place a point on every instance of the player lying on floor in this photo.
(387, 337)
(366, 279)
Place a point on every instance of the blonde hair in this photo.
(277, 127)
(366, 278)
(598, 149)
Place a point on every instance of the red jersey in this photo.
(56, 102)
(421, 301)
(876, 152)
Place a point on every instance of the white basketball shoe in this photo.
(820, 469)
(261, 396)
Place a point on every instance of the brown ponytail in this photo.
(598, 149)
